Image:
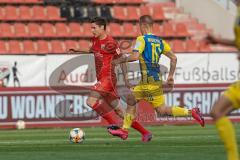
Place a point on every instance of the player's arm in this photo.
(214, 39)
(134, 55)
(173, 63)
(83, 51)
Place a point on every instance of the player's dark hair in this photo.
(100, 21)
(146, 19)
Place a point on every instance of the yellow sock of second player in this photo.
(179, 111)
(226, 132)
(127, 121)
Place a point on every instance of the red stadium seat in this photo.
(126, 45)
(48, 30)
(16, 1)
(105, 1)
(39, 13)
(58, 46)
(6, 30)
(2, 13)
(168, 30)
(4, 1)
(53, 13)
(119, 1)
(62, 30)
(138, 30)
(157, 29)
(145, 10)
(15, 47)
(25, 13)
(129, 30)
(129, 1)
(132, 13)
(34, 30)
(20, 30)
(43, 47)
(29, 47)
(3, 47)
(181, 30)
(178, 46)
(115, 30)
(75, 29)
(84, 44)
(11, 13)
(70, 44)
(204, 46)
(119, 12)
(192, 46)
(158, 13)
(136, 1)
(167, 4)
(33, 1)
(87, 30)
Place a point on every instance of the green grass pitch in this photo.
(169, 143)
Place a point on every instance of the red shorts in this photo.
(107, 89)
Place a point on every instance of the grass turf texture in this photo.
(169, 143)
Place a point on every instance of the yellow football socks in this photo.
(179, 111)
(127, 121)
(226, 132)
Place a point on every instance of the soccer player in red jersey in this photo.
(104, 98)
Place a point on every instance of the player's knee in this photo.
(131, 101)
(119, 111)
(215, 114)
(212, 114)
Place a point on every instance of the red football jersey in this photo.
(105, 51)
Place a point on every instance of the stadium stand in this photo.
(45, 27)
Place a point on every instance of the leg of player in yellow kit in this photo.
(224, 126)
(129, 121)
(153, 95)
(177, 111)
(157, 99)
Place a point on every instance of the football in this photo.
(20, 124)
(77, 135)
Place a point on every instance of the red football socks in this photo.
(106, 112)
(137, 126)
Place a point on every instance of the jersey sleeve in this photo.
(166, 47)
(140, 45)
(112, 47)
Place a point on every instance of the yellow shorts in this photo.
(152, 93)
(233, 94)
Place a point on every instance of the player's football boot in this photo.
(122, 133)
(196, 114)
(113, 127)
(147, 137)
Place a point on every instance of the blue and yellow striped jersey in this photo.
(151, 48)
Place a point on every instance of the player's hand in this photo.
(114, 62)
(166, 88)
(128, 85)
(212, 39)
(170, 81)
(70, 51)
